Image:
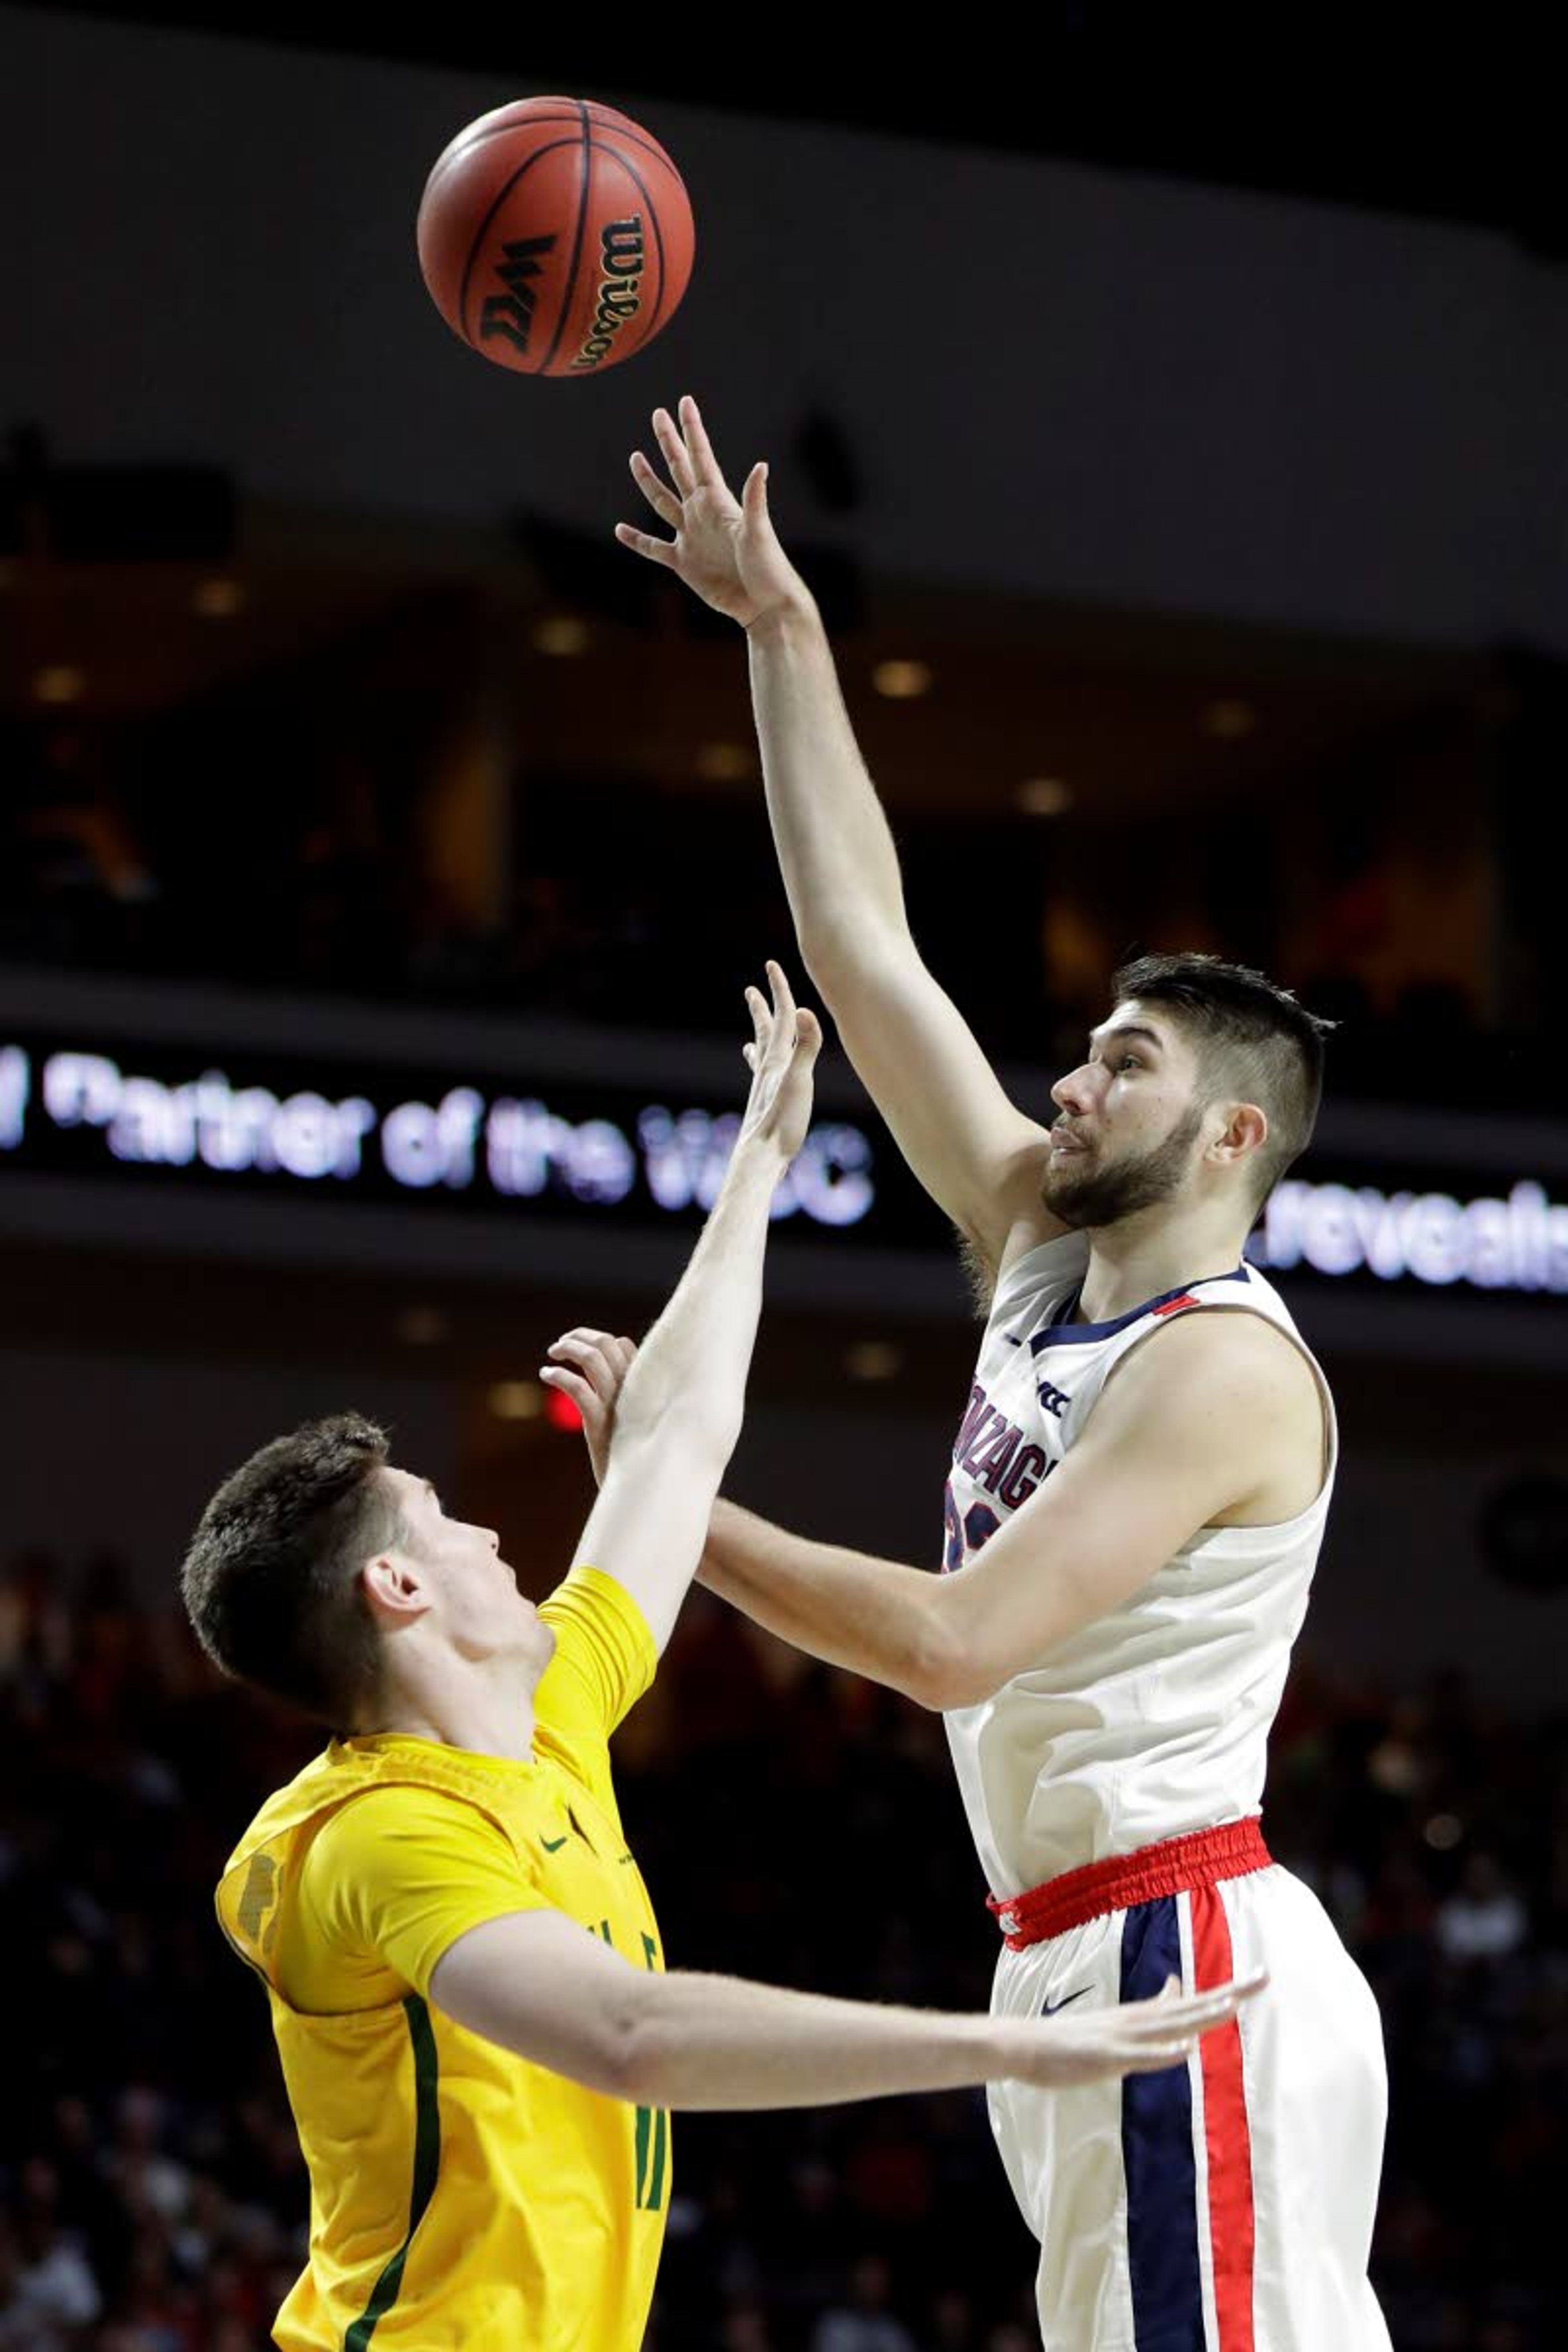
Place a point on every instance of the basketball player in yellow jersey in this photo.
(466, 1978)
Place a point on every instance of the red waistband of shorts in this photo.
(1234, 1850)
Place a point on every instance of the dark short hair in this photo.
(1255, 1043)
(271, 1580)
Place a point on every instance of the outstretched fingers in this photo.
(783, 996)
(658, 550)
(582, 1340)
(795, 1022)
(790, 1029)
(657, 493)
(1167, 2029)
(761, 1027)
(575, 1385)
(705, 465)
(1153, 2057)
(807, 1037)
(599, 1358)
(676, 457)
(1171, 2012)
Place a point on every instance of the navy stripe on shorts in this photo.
(1157, 2154)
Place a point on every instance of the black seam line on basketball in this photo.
(453, 155)
(461, 149)
(426, 2165)
(630, 169)
(484, 229)
(638, 139)
(584, 180)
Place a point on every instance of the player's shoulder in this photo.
(604, 1655)
(1203, 1353)
(397, 1814)
(1199, 1330)
(597, 1602)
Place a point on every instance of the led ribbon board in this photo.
(1512, 1238)
(581, 1149)
(277, 1123)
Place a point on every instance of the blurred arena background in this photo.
(1173, 436)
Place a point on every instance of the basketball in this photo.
(555, 236)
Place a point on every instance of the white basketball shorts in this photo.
(1222, 2206)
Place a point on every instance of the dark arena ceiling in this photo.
(1388, 109)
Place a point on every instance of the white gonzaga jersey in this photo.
(1153, 1721)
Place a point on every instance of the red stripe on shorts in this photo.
(1226, 2134)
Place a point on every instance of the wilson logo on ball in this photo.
(511, 314)
(621, 258)
(555, 236)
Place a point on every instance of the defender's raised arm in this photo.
(679, 1411)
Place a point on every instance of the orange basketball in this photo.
(555, 236)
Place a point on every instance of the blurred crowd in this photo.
(792, 1824)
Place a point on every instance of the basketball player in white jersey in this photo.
(1136, 1501)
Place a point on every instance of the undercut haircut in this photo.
(271, 1581)
(1254, 1042)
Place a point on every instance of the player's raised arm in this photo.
(534, 1982)
(976, 1152)
(678, 1413)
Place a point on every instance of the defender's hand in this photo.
(786, 1042)
(1137, 2037)
(724, 549)
(591, 1367)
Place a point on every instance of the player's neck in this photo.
(1145, 1256)
(485, 1707)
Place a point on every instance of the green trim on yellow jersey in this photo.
(427, 2166)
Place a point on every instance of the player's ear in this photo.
(1244, 1132)
(394, 1587)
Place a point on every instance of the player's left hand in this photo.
(591, 1367)
(785, 1042)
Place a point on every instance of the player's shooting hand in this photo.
(785, 1042)
(724, 548)
(1139, 2037)
(591, 1367)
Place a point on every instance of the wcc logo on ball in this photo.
(511, 314)
(621, 261)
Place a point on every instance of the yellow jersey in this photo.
(460, 2196)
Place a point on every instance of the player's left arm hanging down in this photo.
(1201, 1424)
